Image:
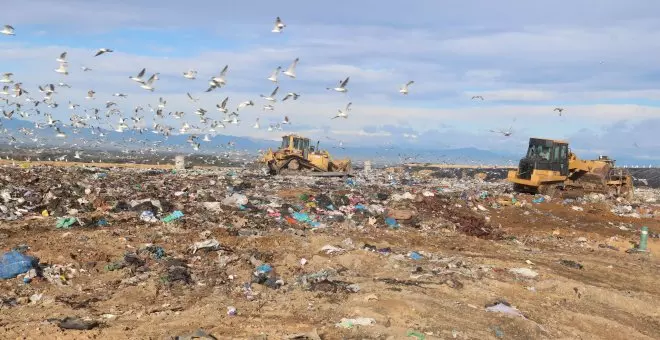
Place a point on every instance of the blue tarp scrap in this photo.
(14, 263)
(416, 256)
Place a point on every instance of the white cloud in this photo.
(516, 95)
(361, 133)
(535, 57)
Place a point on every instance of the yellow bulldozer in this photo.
(296, 154)
(550, 165)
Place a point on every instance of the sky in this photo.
(598, 60)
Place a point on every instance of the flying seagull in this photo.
(221, 78)
(90, 94)
(291, 71)
(222, 107)
(256, 124)
(273, 76)
(8, 30)
(138, 78)
(560, 109)
(343, 113)
(6, 78)
(63, 69)
(59, 133)
(192, 99)
(61, 58)
(404, 88)
(244, 104)
(342, 86)
(279, 25)
(271, 98)
(286, 120)
(148, 85)
(85, 68)
(291, 95)
(191, 74)
(102, 50)
(505, 133)
(478, 97)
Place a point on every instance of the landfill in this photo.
(392, 253)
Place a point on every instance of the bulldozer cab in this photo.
(545, 154)
(296, 143)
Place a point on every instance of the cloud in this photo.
(515, 95)
(524, 59)
(361, 133)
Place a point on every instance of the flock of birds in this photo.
(91, 117)
(15, 99)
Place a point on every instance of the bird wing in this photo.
(410, 83)
(189, 96)
(293, 65)
(98, 53)
(345, 82)
(348, 106)
(63, 55)
(274, 91)
(224, 71)
(141, 74)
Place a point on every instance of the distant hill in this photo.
(376, 154)
(47, 135)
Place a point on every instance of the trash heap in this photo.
(232, 232)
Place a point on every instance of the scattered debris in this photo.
(77, 323)
(502, 306)
(571, 264)
(350, 323)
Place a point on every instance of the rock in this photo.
(581, 239)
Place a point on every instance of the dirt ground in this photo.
(440, 296)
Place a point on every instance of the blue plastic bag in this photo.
(264, 268)
(14, 263)
(301, 217)
(392, 223)
(539, 200)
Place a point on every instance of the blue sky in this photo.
(596, 59)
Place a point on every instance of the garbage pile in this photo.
(228, 230)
